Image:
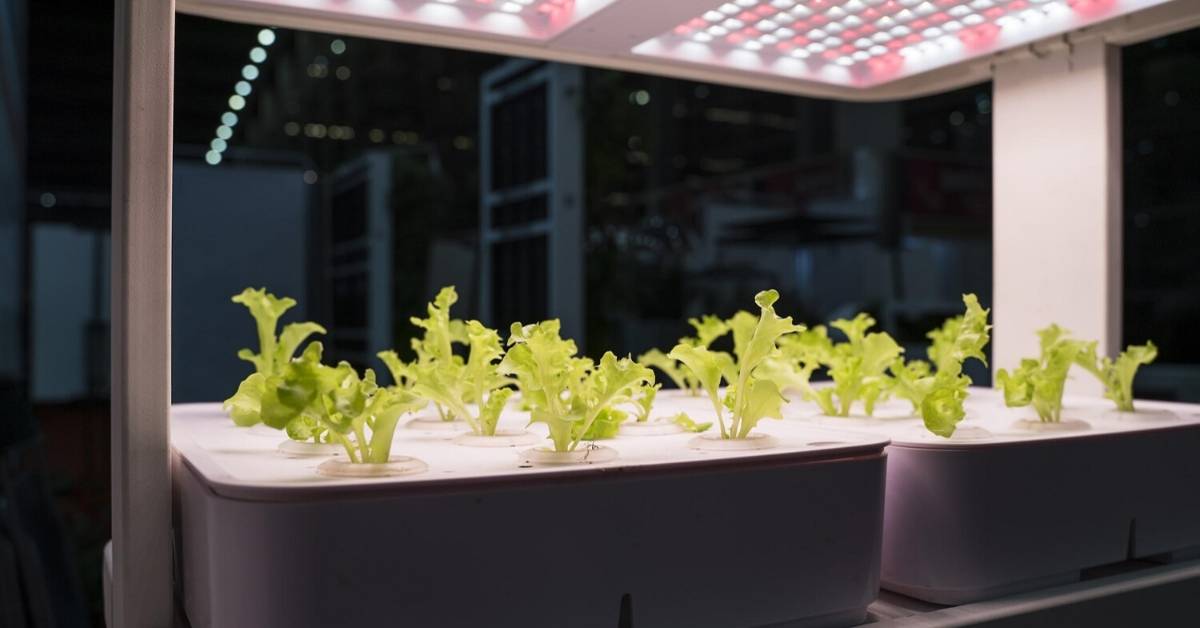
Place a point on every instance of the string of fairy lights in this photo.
(242, 90)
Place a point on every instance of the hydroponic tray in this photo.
(982, 516)
(662, 536)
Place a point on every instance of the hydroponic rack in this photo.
(1057, 174)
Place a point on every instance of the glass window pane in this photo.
(1161, 96)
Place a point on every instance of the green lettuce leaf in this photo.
(1117, 375)
(1041, 382)
(686, 422)
(245, 406)
(756, 343)
(669, 367)
(708, 329)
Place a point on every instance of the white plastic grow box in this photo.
(662, 536)
(1002, 508)
(1056, 173)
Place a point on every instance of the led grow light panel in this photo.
(861, 43)
(522, 19)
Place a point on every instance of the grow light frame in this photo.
(1064, 82)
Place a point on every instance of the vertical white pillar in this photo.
(1057, 200)
(144, 41)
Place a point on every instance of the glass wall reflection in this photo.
(359, 176)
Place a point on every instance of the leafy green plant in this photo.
(607, 425)
(643, 401)
(938, 396)
(708, 329)
(479, 383)
(274, 353)
(750, 397)
(569, 394)
(688, 424)
(1040, 382)
(858, 367)
(401, 371)
(334, 404)
(435, 358)
(671, 368)
(1117, 375)
(799, 356)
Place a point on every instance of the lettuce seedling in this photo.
(401, 371)
(566, 393)
(750, 397)
(1040, 382)
(858, 368)
(671, 368)
(708, 329)
(1117, 375)
(799, 356)
(435, 357)
(335, 405)
(688, 424)
(607, 425)
(274, 353)
(643, 401)
(479, 382)
(939, 396)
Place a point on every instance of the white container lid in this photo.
(990, 423)
(234, 463)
